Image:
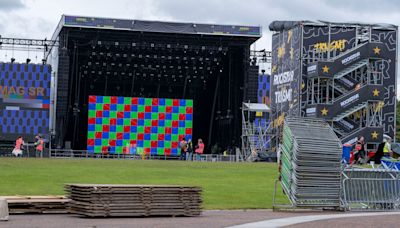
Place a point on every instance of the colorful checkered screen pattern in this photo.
(134, 125)
(24, 100)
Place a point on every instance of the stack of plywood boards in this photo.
(37, 204)
(99, 200)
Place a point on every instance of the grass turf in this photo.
(225, 185)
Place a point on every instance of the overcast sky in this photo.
(38, 18)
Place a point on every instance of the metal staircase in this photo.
(338, 130)
(349, 51)
(350, 111)
(346, 62)
(348, 124)
(346, 82)
(340, 89)
(342, 85)
(351, 68)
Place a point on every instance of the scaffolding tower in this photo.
(255, 130)
(347, 88)
(344, 73)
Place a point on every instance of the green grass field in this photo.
(225, 185)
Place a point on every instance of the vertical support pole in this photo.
(184, 88)
(213, 110)
(133, 82)
(329, 42)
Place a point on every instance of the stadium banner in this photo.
(388, 67)
(24, 100)
(285, 75)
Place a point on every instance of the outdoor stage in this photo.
(197, 71)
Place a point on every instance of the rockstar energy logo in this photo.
(334, 45)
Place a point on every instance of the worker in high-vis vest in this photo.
(39, 146)
(387, 150)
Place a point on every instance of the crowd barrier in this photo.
(65, 153)
(5, 151)
(371, 189)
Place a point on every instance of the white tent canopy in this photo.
(256, 107)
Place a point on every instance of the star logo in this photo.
(374, 135)
(375, 92)
(325, 69)
(324, 111)
(377, 50)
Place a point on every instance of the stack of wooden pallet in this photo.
(37, 204)
(96, 200)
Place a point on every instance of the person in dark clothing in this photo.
(189, 152)
(359, 151)
(183, 146)
(379, 153)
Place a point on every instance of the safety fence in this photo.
(312, 175)
(65, 153)
(370, 189)
(309, 175)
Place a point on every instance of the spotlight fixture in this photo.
(43, 61)
(28, 60)
(12, 60)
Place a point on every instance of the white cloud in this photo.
(9, 5)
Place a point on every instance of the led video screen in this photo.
(134, 125)
(24, 100)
